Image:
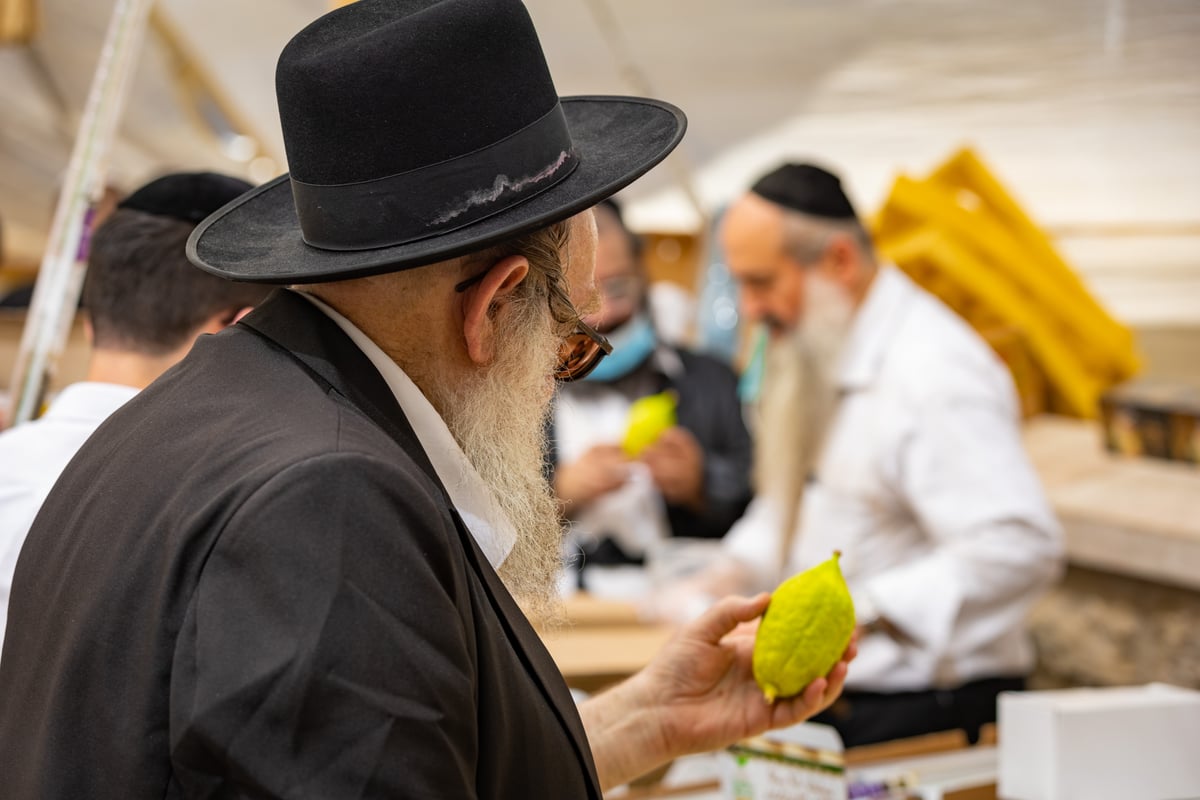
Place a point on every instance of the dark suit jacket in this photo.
(250, 583)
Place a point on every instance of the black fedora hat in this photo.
(420, 130)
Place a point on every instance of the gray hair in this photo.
(546, 249)
(807, 237)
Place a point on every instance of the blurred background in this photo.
(1087, 110)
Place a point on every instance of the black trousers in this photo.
(869, 717)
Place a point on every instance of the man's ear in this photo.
(841, 259)
(480, 301)
(223, 319)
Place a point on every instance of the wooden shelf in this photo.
(1138, 517)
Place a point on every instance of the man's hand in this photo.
(599, 471)
(698, 694)
(676, 464)
(705, 682)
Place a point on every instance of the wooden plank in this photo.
(18, 21)
(1130, 516)
(986, 792)
(591, 658)
(941, 742)
(583, 609)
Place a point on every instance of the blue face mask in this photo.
(632, 344)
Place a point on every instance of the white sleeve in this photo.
(754, 540)
(19, 505)
(996, 543)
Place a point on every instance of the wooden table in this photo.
(604, 642)
(1131, 516)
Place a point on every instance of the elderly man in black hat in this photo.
(291, 567)
(887, 430)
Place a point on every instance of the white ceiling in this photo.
(1088, 109)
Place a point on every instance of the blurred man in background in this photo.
(889, 431)
(694, 481)
(145, 304)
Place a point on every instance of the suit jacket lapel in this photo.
(534, 654)
(300, 328)
(296, 326)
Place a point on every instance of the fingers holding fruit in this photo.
(649, 417)
(600, 470)
(676, 464)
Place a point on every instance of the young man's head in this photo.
(141, 294)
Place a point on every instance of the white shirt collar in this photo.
(668, 361)
(472, 498)
(89, 401)
(872, 330)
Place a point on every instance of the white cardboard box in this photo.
(1100, 744)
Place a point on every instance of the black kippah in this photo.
(806, 188)
(187, 196)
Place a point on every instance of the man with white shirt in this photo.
(144, 304)
(887, 431)
(694, 480)
(291, 567)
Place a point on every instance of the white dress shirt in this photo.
(925, 489)
(589, 414)
(472, 498)
(33, 455)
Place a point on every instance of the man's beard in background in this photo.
(499, 420)
(798, 401)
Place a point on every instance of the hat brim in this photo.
(257, 237)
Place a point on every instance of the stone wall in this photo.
(1101, 629)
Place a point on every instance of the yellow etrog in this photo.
(648, 418)
(804, 631)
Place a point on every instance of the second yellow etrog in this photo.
(648, 418)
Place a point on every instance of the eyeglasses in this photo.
(579, 352)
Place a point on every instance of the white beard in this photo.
(498, 418)
(798, 401)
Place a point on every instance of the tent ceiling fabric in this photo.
(1088, 109)
(45, 85)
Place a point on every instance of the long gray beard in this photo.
(499, 421)
(798, 403)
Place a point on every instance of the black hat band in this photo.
(396, 209)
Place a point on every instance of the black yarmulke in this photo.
(186, 196)
(806, 188)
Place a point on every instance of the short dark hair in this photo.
(142, 293)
